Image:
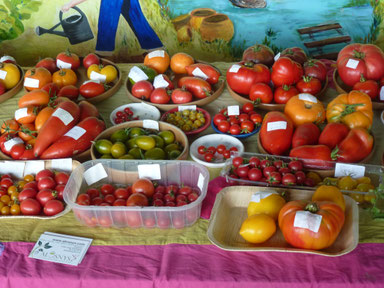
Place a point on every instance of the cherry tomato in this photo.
(242, 171)
(254, 174)
(45, 195)
(61, 178)
(235, 129)
(248, 107)
(208, 157)
(27, 193)
(30, 206)
(221, 148)
(224, 126)
(83, 199)
(93, 192)
(137, 199)
(121, 193)
(218, 118)
(106, 189)
(44, 173)
(237, 161)
(288, 179)
(247, 126)
(46, 183)
(295, 165)
(201, 149)
(53, 207)
(257, 119)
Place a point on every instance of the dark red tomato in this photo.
(254, 174)
(171, 189)
(221, 148)
(181, 96)
(119, 202)
(265, 163)
(300, 177)
(315, 68)
(224, 126)
(44, 173)
(309, 182)
(83, 199)
(257, 119)
(45, 195)
(121, 193)
(369, 87)
(259, 53)
(97, 201)
(201, 149)
(248, 107)
(211, 149)
(46, 183)
(284, 93)
(176, 221)
(92, 89)
(30, 206)
(237, 161)
(109, 198)
(181, 197)
(185, 190)
(160, 96)
(218, 118)
(197, 86)
(278, 163)
(93, 192)
(160, 189)
(60, 191)
(309, 85)
(209, 157)
(295, 165)
(261, 93)
(227, 154)
(90, 59)
(288, 179)
(297, 54)
(284, 170)
(158, 195)
(32, 184)
(53, 207)
(106, 189)
(268, 170)
(17, 151)
(254, 161)
(61, 178)
(242, 171)
(233, 120)
(49, 64)
(70, 91)
(235, 129)
(137, 199)
(27, 193)
(247, 126)
(144, 186)
(286, 71)
(274, 178)
(3, 192)
(169, 197)
(70, 58)
(192, 196)
(243, 117)
(51, 88)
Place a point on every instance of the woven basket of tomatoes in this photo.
(11, 78)
(167, 82)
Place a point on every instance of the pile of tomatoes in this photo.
(292, 73)
(246, 122)
(187, 120)
(143, 192)
(216, 153)
(189, 80)
(125, 115)
(9, 74)
(41, 194)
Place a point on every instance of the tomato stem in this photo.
(312, 207)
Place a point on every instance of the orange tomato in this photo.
(179, 61)
(27, 132)
(329, 193)
(42, 117)
(158, 60)
(34, 98)
(304, 108)
(64, 77)
(9, 125)
(26, 115)
(37, 78)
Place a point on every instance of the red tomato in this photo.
(109, 198)
(257, 119)
(261, 93)
(30, 207)
(90, 59)
(91, 89)
(248, 107)
(197, 86)
(137, 199)
(27, 193)
(17, 151)
(44, 173)
(49, 64)
(315, 68)
(207, 71)
(87, 110)
(247, 126)
(68, 58)
(160, 96)
(60, 191)
(46, 183)
(235, 129)
(259, 53)
(185, 190)
(297, 54)
(369, 87)
(254, 174)
(309, 85)
(69, 91)
(121, 193)
(224, 126)
(288, 179)
(208, 157)
(305, 134)
(142, 90)
(286, 71)
(53, 207)
(284, 93)
(181, 96)
(83, 199)
(61, 178)
(51, 88)
(274, 178)
(106, 189)
(218, 118)
(144, 186)
(93, 192)
(45, 195)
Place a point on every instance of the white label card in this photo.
(277, 56)
(277, 125)
(186, 107)
(3, 74)
(200, 182)
(76, 132)
(32, 83)
(6, 57)
(33, 167)
(258, 196)
(64, 164)
(160, 82)
(136, 74)
(150, 171)
(199, 73)
(234, 68)
(63, 115)
(382, 93)
(355, 171)
(20, 113)
(157, 53)
(97, 76)
(233, 110)
(307, 97)
(150, 124)
(12, 142)
(95, 173)
(14, 168)
(89, 81)
(63, 65)
(352, 63)
(307, 220)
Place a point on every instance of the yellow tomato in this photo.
(12, 74)
(262, 203)
(314, 176)
(108, 71)
(258, 228)
(329, 193)
(64, 77)
(346, 183)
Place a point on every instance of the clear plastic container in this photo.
(124, 172)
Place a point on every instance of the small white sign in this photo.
(64, 164)
(151, 124)
(97, 76)
(76, 132)
(157, 53)
(277, 56)
(277, 125)
(60, 248)
(355, 171)
(94, 174)
(150, 171)
(3, 74)
(352, 63)
(89, 81)
(307, 220)
(260, 195)
(20, 113)
(233, 110)
(14, 168)
(199, 73)
(234, 68)
(382, 93)
(12, 142)
(33, 166)
(6, 57)
(63, 115)
(63, 65)
(307, 97)
(160, 82)
(136, 74)
(200, 182)
(186, 107)
(32, 83)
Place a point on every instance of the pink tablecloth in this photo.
(192, 266)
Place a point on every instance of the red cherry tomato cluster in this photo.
(213, 153)
(272, 172)
(143, 192)
(34, 195)
(246, 122)
(125, 115)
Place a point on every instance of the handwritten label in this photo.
(12, 142)
(233, 110)
(33, 166)
(150, 124)
(307, 97)
(14, 168)
(234, 68)
(136, 74)
(63, 115)
(3, 74)
(76, 132)
(200, 182)
(160, 82)
(64, 164)
(20, 113)
(63, 65)
(277, 125)
(150, 171)
(186, 107)
(91, 81)
(94, 174)
(355, 171)
(7, 58)
(258, 196)
(352, 63)
(199, 73)
(97, 76)
(307, 220)
(277, 56)
(32, 83)
(157, 53)
(382, 93)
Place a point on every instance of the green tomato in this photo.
(106, 156)
(159, 141)
(119, 136)
(136, 131)
(135, 152)
(145, 142)
(174, 154)
(131, 143)
(168, 136)
(155, 154)
(126, 156)
(103, 146)
(171, 147)
(118, 149)
(151, 73)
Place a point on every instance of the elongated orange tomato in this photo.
(34, 98)
(26, 115)
(42, 117)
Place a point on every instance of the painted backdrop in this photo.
(209, 30)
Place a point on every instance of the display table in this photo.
(182, 257)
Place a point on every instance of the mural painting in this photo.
(124, 30)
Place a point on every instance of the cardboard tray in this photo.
(230, 210)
